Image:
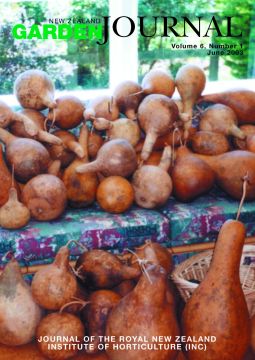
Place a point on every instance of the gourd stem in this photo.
(12, 175)
(166, 158)
(130, 114)
(48, 101)
(54, 167)
(141, 263)
(173, 142)
(77, 301)
(93, 166)
(30, 127)
(53, 118)
(6, 137)
(83, 141)
(149, 142)
(102, 124)
(238, 133)
(89, 114)
(75, 147)
(137, 93)
(245, 182)
(49, 138)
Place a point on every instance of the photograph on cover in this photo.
(127, 180)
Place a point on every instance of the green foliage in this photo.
(64, 61)
(96, 57)
(24, 55)
(241, 65)
(34, 11)
(154, 49)
(167, 8)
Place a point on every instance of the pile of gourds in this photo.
(145, 157)
(121, 309)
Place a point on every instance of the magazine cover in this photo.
(127, 180)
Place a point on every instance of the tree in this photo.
(153, 48)
(60, 59)
(17, 56)
(242, 64)
(92, 59)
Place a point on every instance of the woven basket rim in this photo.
(248, 250)
(187, 287)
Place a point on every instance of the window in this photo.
(78, 65)
(239, 64)
(72, 64)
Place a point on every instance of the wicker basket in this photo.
(197, 266)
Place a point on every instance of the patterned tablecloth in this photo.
(200, 220)
(174, 224)
(38, 242)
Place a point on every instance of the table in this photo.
(184, 227)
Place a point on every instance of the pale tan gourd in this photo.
(35, 90)
(123, 128)
(19, 313)
(152, 184)
(157, 115)
(128, 97)
(115, 157)
(18, 128)
(158, 81)
(55, 284)
(28, 156)
(65, 326)
(14, 214)
(8, 116)
(190, 82)
(221, 119)
(103, 106)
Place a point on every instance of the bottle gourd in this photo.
(218, 307)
